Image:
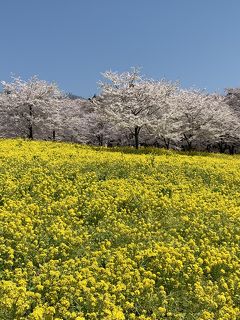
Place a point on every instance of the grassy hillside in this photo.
(91, 234)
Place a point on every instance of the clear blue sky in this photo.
(73, 41)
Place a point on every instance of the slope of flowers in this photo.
(91, 234)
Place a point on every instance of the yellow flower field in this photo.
(93, 234)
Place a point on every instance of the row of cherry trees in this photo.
(130, 110)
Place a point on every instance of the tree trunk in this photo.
(209, 146)
(54, 135)
(136, 136)
(100, 140)
(166, 142)
(189, 143)
(231, 149)
(30, 127)
(222, 146)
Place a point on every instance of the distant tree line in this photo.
(129, 110)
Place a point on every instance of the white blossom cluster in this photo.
(130, 110)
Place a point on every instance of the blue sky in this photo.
(72, 41)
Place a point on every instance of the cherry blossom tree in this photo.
(131, 102)
(130, 109)
(201, 119)
(30, 105)
(74, 114)
(232, 99)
